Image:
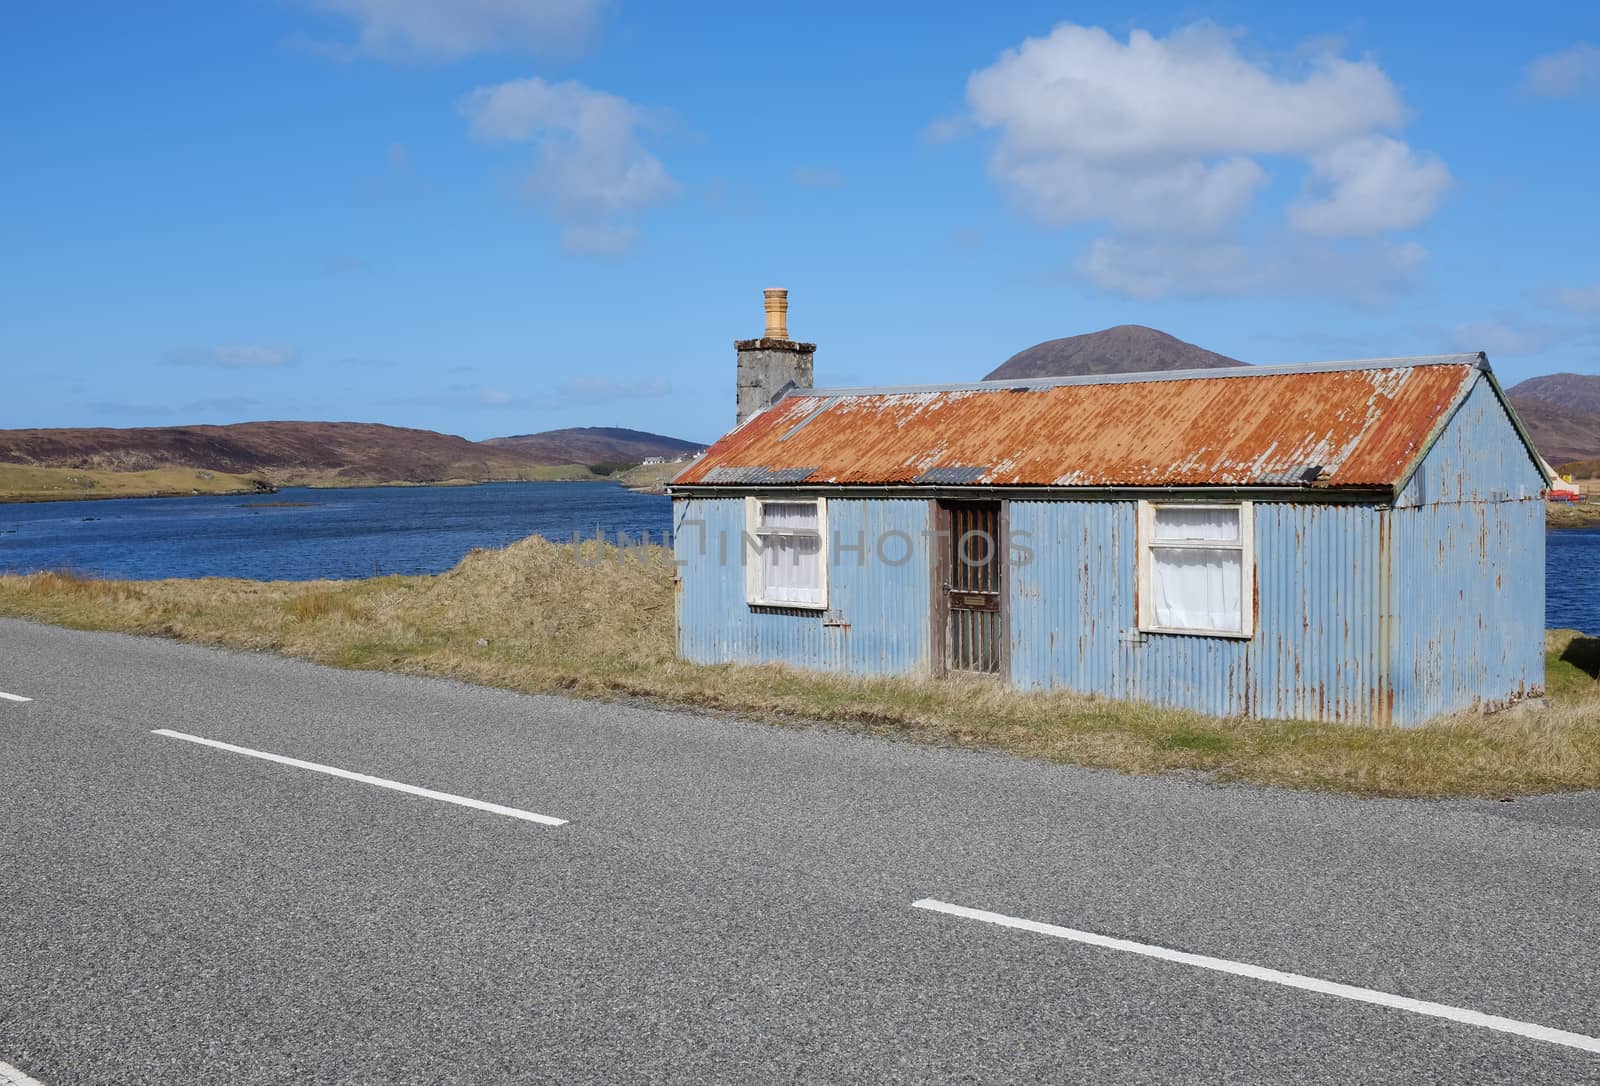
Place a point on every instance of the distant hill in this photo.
(284, 452)
(1562, 414)
(595, 445)
(1127, 348)
(332, 453)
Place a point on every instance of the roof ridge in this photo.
(1480, 360)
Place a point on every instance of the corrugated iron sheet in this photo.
(1468, 611)
(1358, 427)
(878, 591)
(1314, 652)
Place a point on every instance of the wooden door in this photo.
(970, 595)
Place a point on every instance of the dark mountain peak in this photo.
(1562, 414)
(596, 445)
(1127, 348)
(618, 433)
(1573, 390)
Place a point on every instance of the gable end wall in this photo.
(1466, 546)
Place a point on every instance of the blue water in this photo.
(335, 534)
(1572, 580)
(359, 533)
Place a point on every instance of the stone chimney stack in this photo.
(771, 366)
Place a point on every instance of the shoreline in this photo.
(90, 496)
(1562, 516)
(1558, 516)
(399, 484)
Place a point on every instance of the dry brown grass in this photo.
(534, 618)
(28, 482)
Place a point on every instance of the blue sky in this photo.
(501, 216)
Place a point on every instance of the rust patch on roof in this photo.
(1357, 427)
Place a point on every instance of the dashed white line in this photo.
(1274, 976)
(10, 1076)
(12, 697)
(378, 782)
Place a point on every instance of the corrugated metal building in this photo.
(1353, 541)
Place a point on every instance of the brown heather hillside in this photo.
(283, 452)
(1562, 414)
(328, 453)
(1578, 390)
(1127, 348)
(596, 445)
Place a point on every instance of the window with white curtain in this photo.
(1196, 569)
(785, 552)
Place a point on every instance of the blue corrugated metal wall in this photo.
(1467, 545)
(1478, 458)
(884, 600)
(1468, 627)
(1314, 652)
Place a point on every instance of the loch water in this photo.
(300, 534)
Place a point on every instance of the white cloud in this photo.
(1517, 334)
(1155, 134)
(1185, 196)
(1579, 299)
(944, 129)
(449, 29)
(816, 177)
(1495, 337)
(1370, 185)
(231, 405)
(1365, 273)
(461, 397)
(1171, 141)
(1079, 91)
(593, 239)
(1152, 269)
(242, 356)
(587, 390)
(1564, 73)
(590, 165)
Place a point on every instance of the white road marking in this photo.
(10, 1076)
(1274, 976)
(332, 771)
(12, 697)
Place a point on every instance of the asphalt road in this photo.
(726, 902)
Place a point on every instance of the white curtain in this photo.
(791, 569)
(1178, 522)
(1197, 588)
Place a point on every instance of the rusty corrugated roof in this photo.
(1358, 424)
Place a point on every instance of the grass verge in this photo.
(533, 618)
(28, 483)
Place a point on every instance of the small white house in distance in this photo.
(1345, 541)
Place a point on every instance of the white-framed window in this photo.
(786, 552)
(1197, 568)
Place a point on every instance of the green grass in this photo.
(651, 476)
(1195, 739)
(26, 482)
(549, 623)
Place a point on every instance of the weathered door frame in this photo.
(942, 547)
